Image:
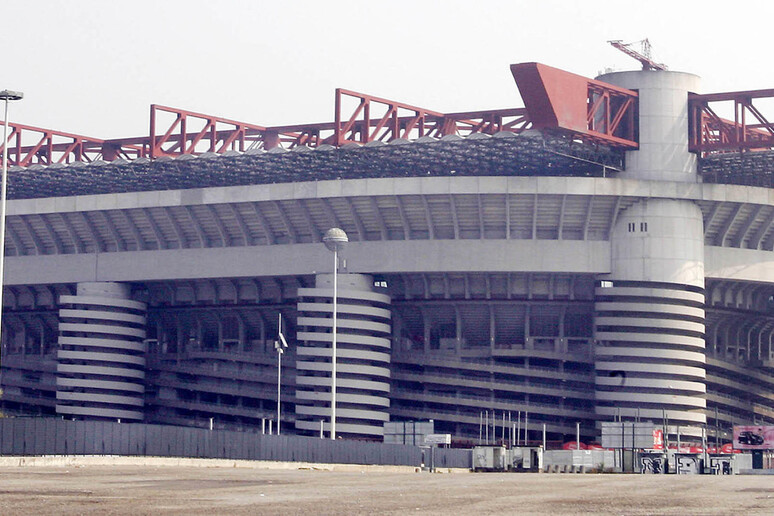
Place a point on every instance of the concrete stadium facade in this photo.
(573, 291)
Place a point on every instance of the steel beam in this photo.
(749, 130)
(590, 109)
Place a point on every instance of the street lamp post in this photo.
(334, 240)
(280, 344)
(5, 95)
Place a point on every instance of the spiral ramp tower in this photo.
(363, 357)
(650, 320)
(100, 361)
(650, 359)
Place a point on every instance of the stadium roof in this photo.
(503, 154)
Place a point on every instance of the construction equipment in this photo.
(643, 56)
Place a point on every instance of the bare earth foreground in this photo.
(208, 490)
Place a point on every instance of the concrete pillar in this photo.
(426, 327)
(458, 329)
(492, 326)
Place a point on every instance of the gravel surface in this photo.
(202, 490)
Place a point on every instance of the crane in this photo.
(643, 57)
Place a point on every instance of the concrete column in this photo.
(492, 327)
(180, 338)
(458, 329)
(426, 327)
(219, 345)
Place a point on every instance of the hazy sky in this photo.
(93, 67)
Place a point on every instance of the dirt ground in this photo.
(201, 490)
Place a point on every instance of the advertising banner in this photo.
(658, 439)
(753, 437)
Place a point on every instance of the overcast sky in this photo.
(93, 67)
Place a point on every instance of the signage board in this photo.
(753, 437)
(407, 432)
(438, 439)
(629, 435)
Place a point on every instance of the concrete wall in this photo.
(659, 240)
(302, 259)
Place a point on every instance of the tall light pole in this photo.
(5, 95)
(334, 240)
(280, 346)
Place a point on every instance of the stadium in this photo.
(603, 252)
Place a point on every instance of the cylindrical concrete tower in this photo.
(663, 132)
(363, 356)
(101, 362)
(649, 322)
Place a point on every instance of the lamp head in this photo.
(11, 95)
(335, 239)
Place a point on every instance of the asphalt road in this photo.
(203, 490)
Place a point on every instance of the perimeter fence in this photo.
(52, 436)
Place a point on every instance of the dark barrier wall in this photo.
(49, 436)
